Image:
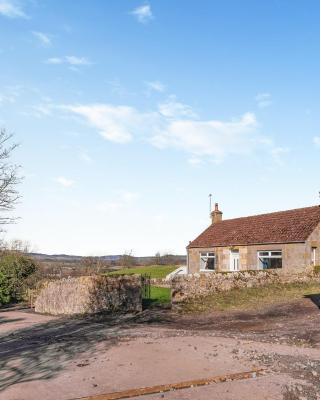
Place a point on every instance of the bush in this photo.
(15, 269)
(316, 269)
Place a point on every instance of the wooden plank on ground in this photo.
(126, 394)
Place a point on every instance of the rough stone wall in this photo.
(314, 241)
(197, 285)
(90, 294)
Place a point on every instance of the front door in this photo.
(234, 260)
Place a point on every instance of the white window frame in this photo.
(207, 254)
(269, 255)
(314, 255)
(234, 260)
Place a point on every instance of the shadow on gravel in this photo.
(43, 351)
(4, 320)
(40, 352)
(315, 298)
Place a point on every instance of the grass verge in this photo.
(159, 296)
(252, 298)
(155, 271)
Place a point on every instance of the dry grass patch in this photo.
(252, 298)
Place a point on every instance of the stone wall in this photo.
(197, 285)
(90, 294)
(314, 241)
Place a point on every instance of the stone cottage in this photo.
(287, 240)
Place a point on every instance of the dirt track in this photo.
(49, 358)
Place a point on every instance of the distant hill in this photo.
(67, 258)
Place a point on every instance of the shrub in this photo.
(316, 269)
(15, 268)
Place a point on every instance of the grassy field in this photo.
(155, 271)
(252, 298)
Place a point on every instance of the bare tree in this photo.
(9, 177)
(127, 259)
(91, 265)
(157, 258)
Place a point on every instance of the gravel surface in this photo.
(48, 358)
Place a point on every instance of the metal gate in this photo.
(146, 287)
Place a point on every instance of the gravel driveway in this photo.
(48, 358)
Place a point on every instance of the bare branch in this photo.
(9, 178)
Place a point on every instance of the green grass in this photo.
(155, 271)
(252, 298)
(159, 296)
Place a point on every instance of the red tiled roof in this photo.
(278, 227)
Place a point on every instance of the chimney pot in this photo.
(216, 215)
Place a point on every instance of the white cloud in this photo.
(157, 86)
(210, 138)
(115, 123)
(54, 60)
(316, 140)
(41, 110)
(263, 100)
(11, 9)
(124, 200)
(10, 94)
(278, 154)
(174, 109)
(69, 60)
(195, 161)
(129, 197)
(84, 156)
(143, 13)
(73, 60)
(65, 182)
(43, 38)
(4, 98)
(175, 125)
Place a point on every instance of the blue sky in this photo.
(130, 113)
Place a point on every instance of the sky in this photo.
(130, 113)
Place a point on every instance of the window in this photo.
(313, 255)
(207, 261)
(270, 259)
(234, 260)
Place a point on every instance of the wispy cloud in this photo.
(115, 123)
(55, 60)
(263, 100)
(85, 157)
(123, 200)
(175, 125)
(278, 154)
(9, 94)
(73, 60)
(316, 140)
(40, 110)
(175, 109)
(69, 60)
(12, 9)
(65, 182)
(157, 86)
(195, 161)
(143, 13)
(43, 38)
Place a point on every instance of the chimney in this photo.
(216, 215)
